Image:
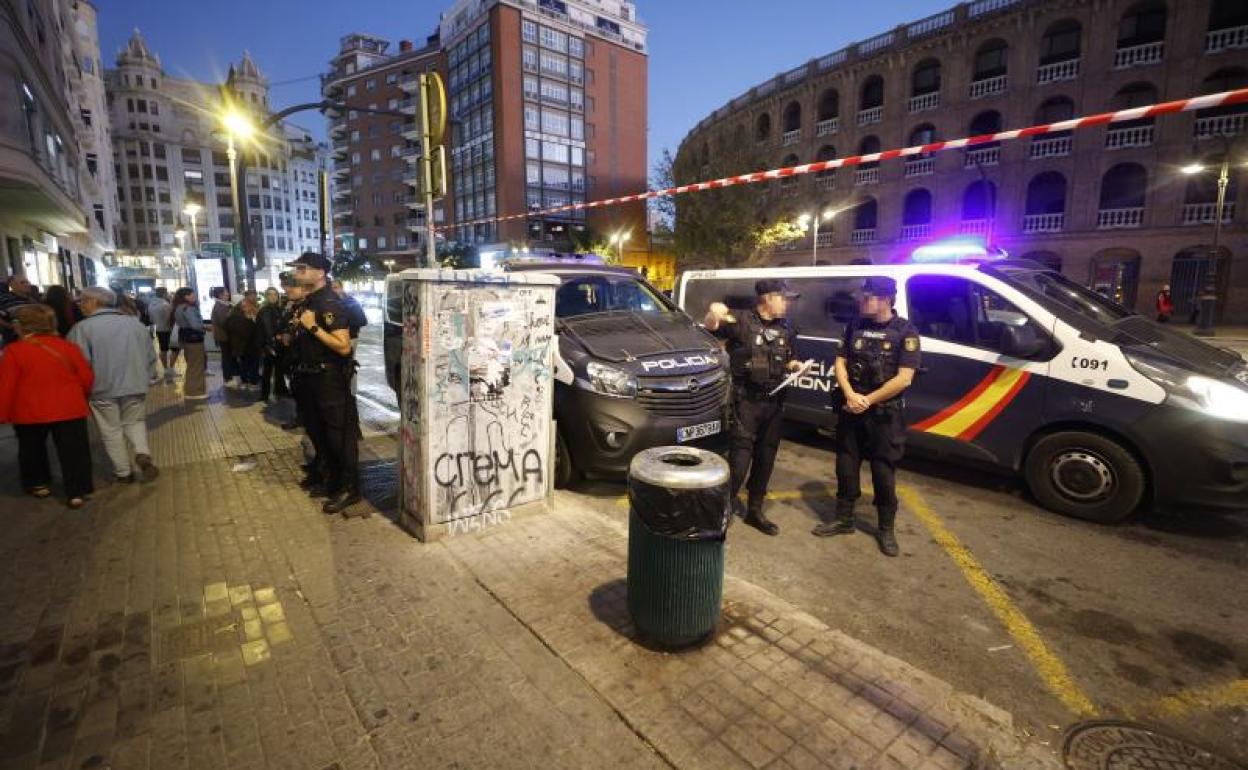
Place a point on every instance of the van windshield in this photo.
(1067, 293)
(603, 293)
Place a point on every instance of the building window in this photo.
(370, 84)
(392, 78)
(991, 60)
(576, 47)
(352, 90)
(1061, 42)
(528, 30)
(374, 155)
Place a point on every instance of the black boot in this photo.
(755, 518)
(888, 542)
(843, 524)
(343, 500)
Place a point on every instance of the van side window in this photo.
(959, 310)
(824, 305)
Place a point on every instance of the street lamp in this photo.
(1206, 302)
(618, 241)
(237, 126)
(805, 219)
(191, 210)
(389, 263)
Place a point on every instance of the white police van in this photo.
(1098, 408)
(632, 371)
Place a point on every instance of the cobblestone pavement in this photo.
(216, 619)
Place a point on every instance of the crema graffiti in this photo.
(476, 401)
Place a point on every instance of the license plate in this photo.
(695, 432)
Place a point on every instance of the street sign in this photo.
(435, 104)
(213, 250)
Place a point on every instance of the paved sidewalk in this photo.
(216, 619)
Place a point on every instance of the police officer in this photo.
(760, 349)
(284, 342)
(878, 356)
(322, 370)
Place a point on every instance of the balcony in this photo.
(1123, 138)
(826, 127)
(1220, 40)
(1044, 223)
(919, 167)
(825, 239)
(825, 181)
(1050, 147)
(1205, 213)
(924, 102)
(984, 156)
(1057, 72)
(408, 104)
(338, 127)
(342, 165)
(871, 115)
(1120, 219)
(411, 130)
(866, 176)
(1139, 55)
(989, 87)
(410, 153)
(1221, 125)
(789, 138)
(916, 232)
(410, 83)
(862, 236)
(974, 226)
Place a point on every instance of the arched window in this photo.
(984, 153)
(917, 209)
(1202, 187)
(1227, 14)
(1135, 95)
(924, 133)
(1143, 23)
(1061, 42)
(1055, 109)
(991, 60)
(1132, 133)
(868, 146)
(865, 214)
(986, 122)
(792, 120)
(872, 93)
(790, 160)
(829, 105)
(789, 181)
(1046, 194)
(824, 178)
(1123, 187)
(1226, 120)
(979, 201)
(926, 79)
(762, 128)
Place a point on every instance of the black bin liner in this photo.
(681, 513)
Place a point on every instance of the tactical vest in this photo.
(873, 360)
(760, 364)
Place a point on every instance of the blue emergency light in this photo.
(956, 250)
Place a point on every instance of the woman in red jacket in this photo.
(44, 383)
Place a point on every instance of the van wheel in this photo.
(1086, 476)
(566, 473)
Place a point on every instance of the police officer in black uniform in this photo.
(760, 348)
(322, 371)
(878, 357)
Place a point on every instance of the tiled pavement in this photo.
(216, 618)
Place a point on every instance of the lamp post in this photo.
(389, 263)
(192, 210)
(617, 241)
(805, 219)
(1207, 300)
(237, 126)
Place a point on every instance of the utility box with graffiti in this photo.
(476, 442)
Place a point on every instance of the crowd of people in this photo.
(70, 356)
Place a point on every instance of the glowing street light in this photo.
(389, 263)
(805, 219)
(238, 125)
(191, 210)
(618, 240)
(1192, 168)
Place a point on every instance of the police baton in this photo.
(805, 367)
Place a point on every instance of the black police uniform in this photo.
(322, 386)
(759, 351)
(873, 353)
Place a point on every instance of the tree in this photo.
(357, 267)
(457, 255)
(590, 241)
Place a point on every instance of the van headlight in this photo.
(611, 381)
(1217, 399)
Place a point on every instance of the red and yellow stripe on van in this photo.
(968, 416)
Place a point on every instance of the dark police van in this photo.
(1098, 408)
(632, 371)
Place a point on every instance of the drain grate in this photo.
(1126, 746)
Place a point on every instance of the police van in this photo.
(1099, 409)
(632, 371)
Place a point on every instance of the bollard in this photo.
(677, 521)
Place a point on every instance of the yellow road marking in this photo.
(1050, 668)
(1228, 695)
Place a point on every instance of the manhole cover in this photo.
(1124, 746)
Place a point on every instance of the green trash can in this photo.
(678, 518)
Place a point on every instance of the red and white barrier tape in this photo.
(1226, 98)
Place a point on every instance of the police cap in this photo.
(772, 286)
(313, 260)
(879, 286)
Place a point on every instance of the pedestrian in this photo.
(244, 335)
(876, 362)
(221, 309)
(760, 350)
(322, 375)
(356, 320)
(57, 298)
(121, 354)
(44, 384)
(1165, 304)
(17, 292)
(159, 309)
(269, 323)
(188, 335)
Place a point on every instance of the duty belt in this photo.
(317, 368)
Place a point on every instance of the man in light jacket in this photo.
(121, 353)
